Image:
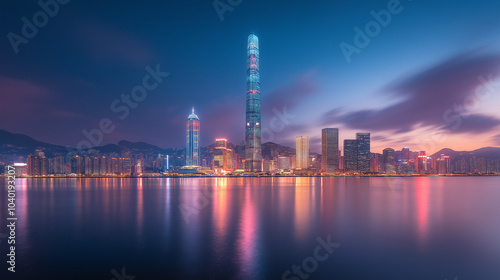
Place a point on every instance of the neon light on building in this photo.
(193, 140)
(253, 156)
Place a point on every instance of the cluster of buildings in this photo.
(224, 158)
(39, 165)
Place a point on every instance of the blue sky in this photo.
(64, 79)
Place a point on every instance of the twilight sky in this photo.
(428, 78)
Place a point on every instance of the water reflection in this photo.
(255, 228)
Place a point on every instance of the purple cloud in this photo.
(428, 96)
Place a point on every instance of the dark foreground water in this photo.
(256, 228)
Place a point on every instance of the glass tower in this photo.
(193, 140)
(350, 155)
(253, 156)
(330, 149)
(363, 141)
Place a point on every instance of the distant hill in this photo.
(486, 152)
(269, 147)
(20, 144)
(21, 140)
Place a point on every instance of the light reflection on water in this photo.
(256, 228)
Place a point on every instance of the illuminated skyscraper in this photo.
(329, 149)
(302, 152)
(363, 142)
(253, 156)
(389, 163)
(350, 155)
(193, 140)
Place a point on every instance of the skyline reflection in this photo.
(256, 227)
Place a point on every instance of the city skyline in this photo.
(252, 140)
(397, 101)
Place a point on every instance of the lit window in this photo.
(257, 123)
(248, 124)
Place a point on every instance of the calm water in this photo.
(257, 228)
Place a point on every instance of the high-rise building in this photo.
(389, 163)
(302, 152)
(228, 159)
(103, 168)
(350, 155)
(444, 165)
(363, 158)
(405, 154)
(193, 140)
(253, 155)
(33, 165)
(126, 167)
(283, 163)
(329, 149)
(77, 165)
(375, 162)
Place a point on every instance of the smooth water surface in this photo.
(256, 228)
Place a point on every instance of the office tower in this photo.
(87, 165)
(389, 163)
(444, 165)
(138, 167)
(77, 165)
(329, 149)
(223, 157)
(363, 142)
(33, 165)
(405, 154)
(283, 163)
(95, 166)
(193, 140)
(375, 162)
(227, 159)
(350, 155)
(103, 168)
(302, 152)
(115, 167)
(253, 156)
(220, 147)
(126, 167)
(44, 166)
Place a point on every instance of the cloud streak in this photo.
(426, 96)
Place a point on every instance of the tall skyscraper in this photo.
(405, 154)
(329, 149)
(389, 163)
(350, 155)
(363, 142)
(253, 156)
(193, 140)
(302, 152)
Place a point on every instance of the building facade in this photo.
(389, 162)
(329, 149)
(193, 140)
(350, 155)
(253, 154)
(302, 152)
(363, 158)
